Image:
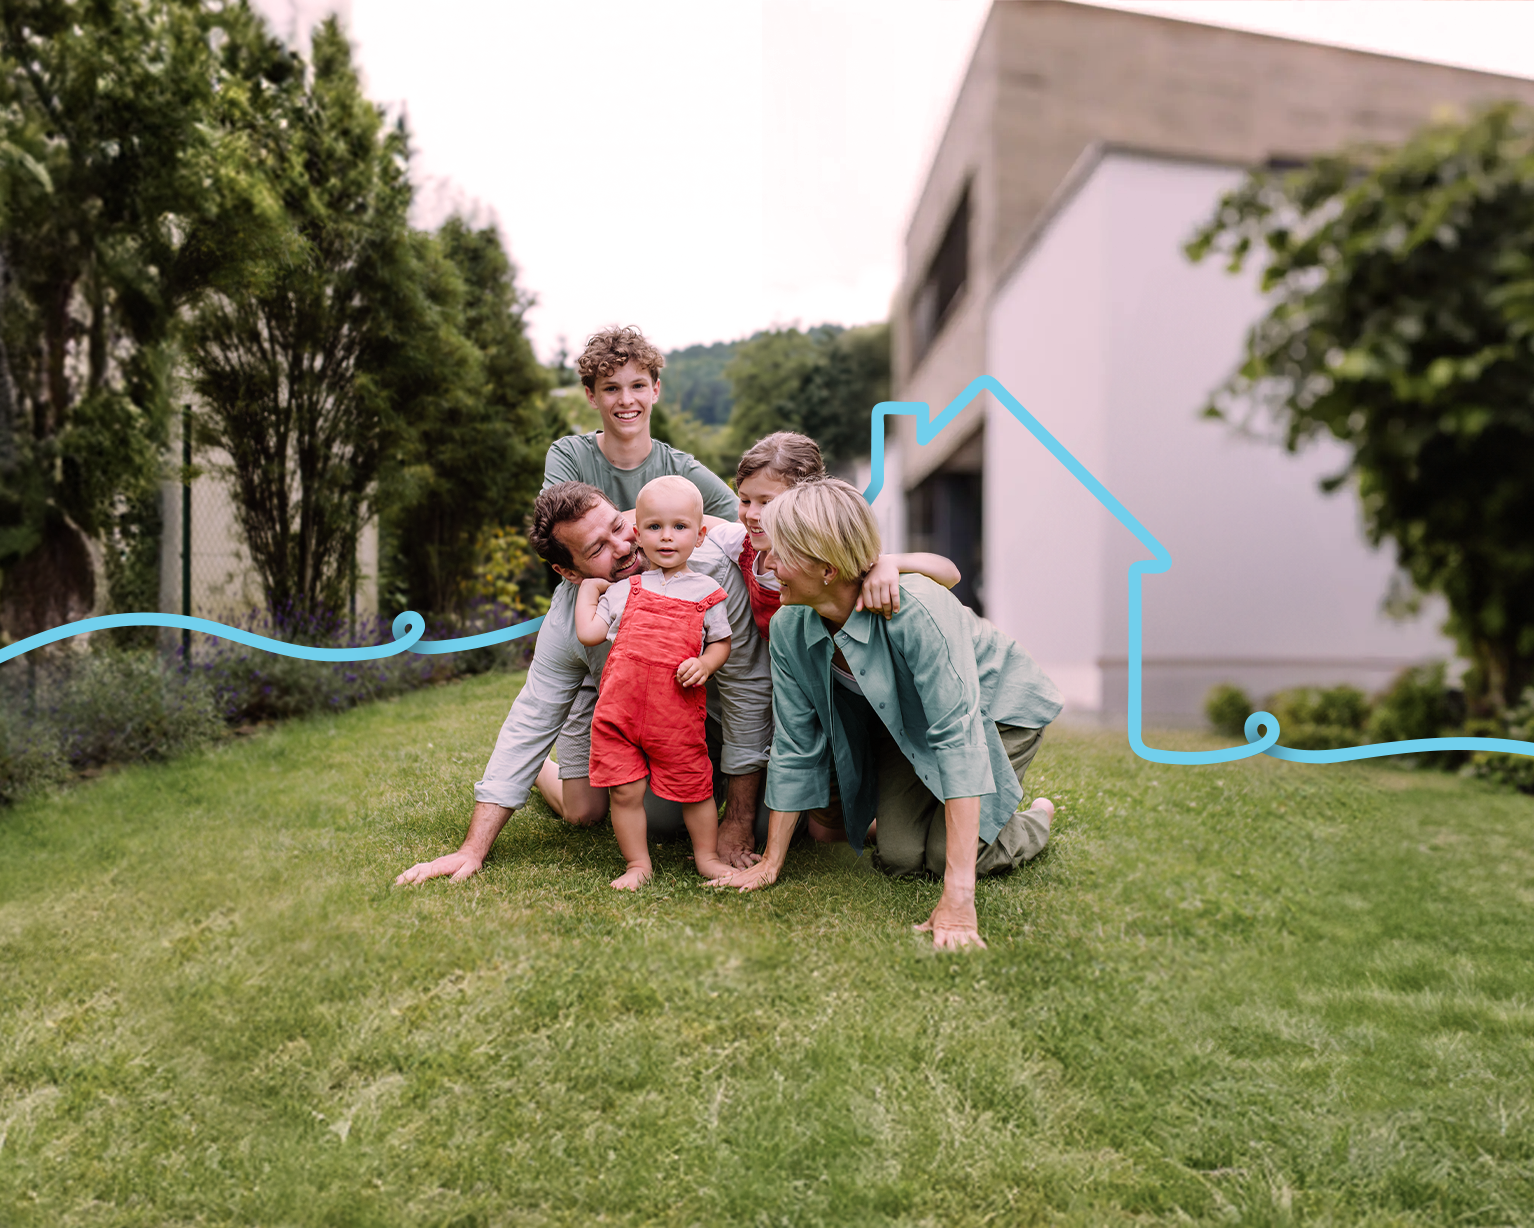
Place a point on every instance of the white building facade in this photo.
(1114, 340)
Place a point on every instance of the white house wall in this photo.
(1272, 583)
(1047, 344)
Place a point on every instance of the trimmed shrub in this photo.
(1416, 705)
(1320, 718)
(1514, 770)
(1226, 707)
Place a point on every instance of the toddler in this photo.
(669, 634)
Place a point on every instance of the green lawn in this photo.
(1258, 994)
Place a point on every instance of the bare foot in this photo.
(713, 868)
(633, 880)
(1049, 806)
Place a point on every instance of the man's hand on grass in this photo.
(459, 865)
(953, 923)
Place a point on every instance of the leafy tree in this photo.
(292, 356)
(120, 177)
(823, 383)
(474, 425)
(1404, 326)
(836, 397)
(695, 381)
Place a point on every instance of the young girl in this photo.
(769, 467)
(669, 635)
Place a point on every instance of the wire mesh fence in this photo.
(206, 569)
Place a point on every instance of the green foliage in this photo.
(1516, 771)
(694, 381)
(1257, 993)
(474, 420)
(75, 710)
(1226, 708)
(30, 757)
(293, 357)
(124, 163)
(1416, 705)
(130, 707)
(1404, 327)
(1320, 718)
(823, 383)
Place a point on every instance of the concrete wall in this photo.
(1110, 337)
(1049, 79)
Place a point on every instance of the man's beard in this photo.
(624, 567)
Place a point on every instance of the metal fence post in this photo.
(186, 533)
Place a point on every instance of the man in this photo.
(580, 532)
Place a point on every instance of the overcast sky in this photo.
(705, 168)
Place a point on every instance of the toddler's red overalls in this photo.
(646, 722)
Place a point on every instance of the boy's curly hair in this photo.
(609, 349)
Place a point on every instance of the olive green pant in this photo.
(912, 836)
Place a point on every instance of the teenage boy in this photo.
(620, 374)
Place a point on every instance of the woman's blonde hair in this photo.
(823, 520)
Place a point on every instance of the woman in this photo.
(930, 717)
(771, 466)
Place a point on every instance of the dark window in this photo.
(945, 277)
(945, 514)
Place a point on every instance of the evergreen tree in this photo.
(126, 163)
(469, 456)
(293, 355)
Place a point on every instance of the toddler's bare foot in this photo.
(712, 867)
(633, 880)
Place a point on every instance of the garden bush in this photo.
(129, 706)
(1227, 708)
(1419, 704)
(251, 684)
(1320, 718)
(72, 708)
(1505, 769)
(29, 754)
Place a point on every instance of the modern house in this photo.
(1085, 147)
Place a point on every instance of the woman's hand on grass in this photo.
(953, 922)
(762, 874)
(459, 865)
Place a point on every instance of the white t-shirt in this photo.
(683, 586)
(730, 538)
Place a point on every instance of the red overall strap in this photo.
(764, 602)
(713, 599)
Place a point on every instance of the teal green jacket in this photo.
(941, 680)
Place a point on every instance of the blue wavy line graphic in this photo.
(1262, 728)
(407, 628)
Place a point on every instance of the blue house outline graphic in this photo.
(1262, 728)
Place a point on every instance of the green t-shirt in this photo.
(576, 458)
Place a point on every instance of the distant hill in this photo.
(694, 381)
